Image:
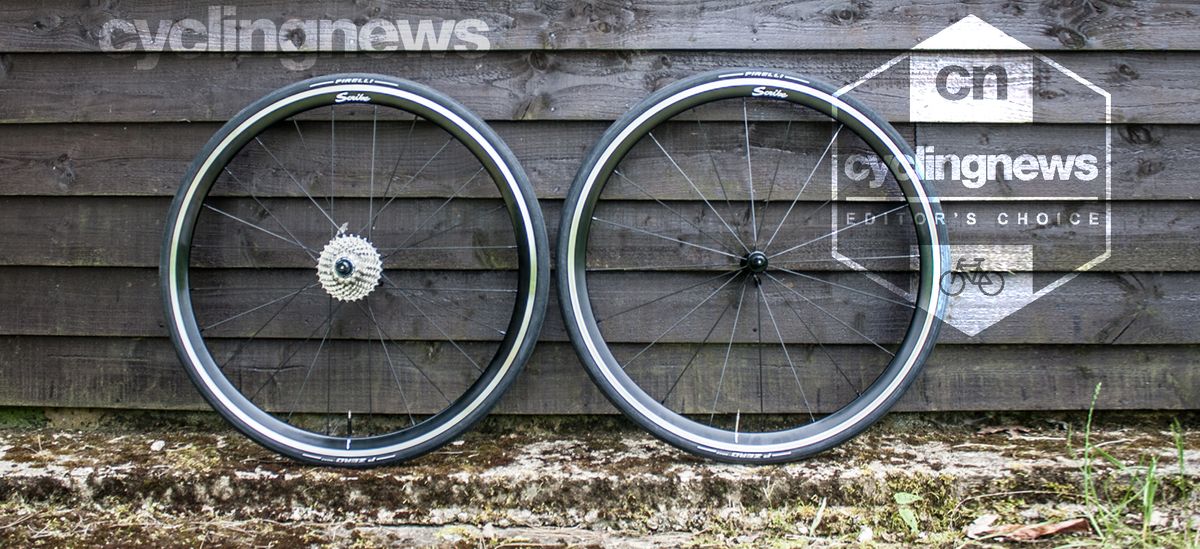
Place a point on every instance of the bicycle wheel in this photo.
(354, 270)
(726, 299)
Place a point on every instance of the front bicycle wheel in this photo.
(748, 266)
(354, 270)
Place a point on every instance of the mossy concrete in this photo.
(595, 480)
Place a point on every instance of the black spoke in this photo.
(453, 289)
(600, 320)
(713, 160)
(664, 237)
(403, 151)
(750, 175)
(411, 178)
(260, 228)
(833, 316)
(808, 180)
(437, 327)
(787, 355)
(820, 345)
(778, 161)
(844, 287)
(699, 348)
(311, 253)
(311, 366)
(297, 347)
(332, 160)
(391, 366)
(670, 209)
(287, 296)
(698, 192)
(510, 247)
(759, 299)
(690, 266)
(400, 349)
(244, 343)
(816, 210)
(416, 293)
(829, 234)
(470, 220)
(328, 373)
(297, 183)
(299, 133)
(737, 313)
(371, 194)
(438, 210)
(395, 166)
(836, 260)
(677, 322)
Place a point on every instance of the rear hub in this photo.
(349, 268)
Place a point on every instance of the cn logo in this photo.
(979, 82)
(976, 113)
(971, 87)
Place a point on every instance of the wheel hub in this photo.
(349, 267)
(756, 261)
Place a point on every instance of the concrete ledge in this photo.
(591, 482)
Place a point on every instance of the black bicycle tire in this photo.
(581, 326)
(516, 346)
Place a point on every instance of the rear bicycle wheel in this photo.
(726, 302)
(354, 270)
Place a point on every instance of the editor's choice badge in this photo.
(1019, 149)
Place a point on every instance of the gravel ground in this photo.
(81, 478)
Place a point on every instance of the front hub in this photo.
(755, 261)
(349, 267)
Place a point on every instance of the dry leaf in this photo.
(981, 526)
(1071, 526)
(1010, 430)
(1018, 532)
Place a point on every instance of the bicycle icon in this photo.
(990, 283)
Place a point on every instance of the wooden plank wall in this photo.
(91, 150)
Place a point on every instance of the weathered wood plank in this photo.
(98, 372)
(1147, 87)
(150, 159)
(664, 24)
(1141, 308)
(1149, 162)
(93, 148)
(471, 233)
